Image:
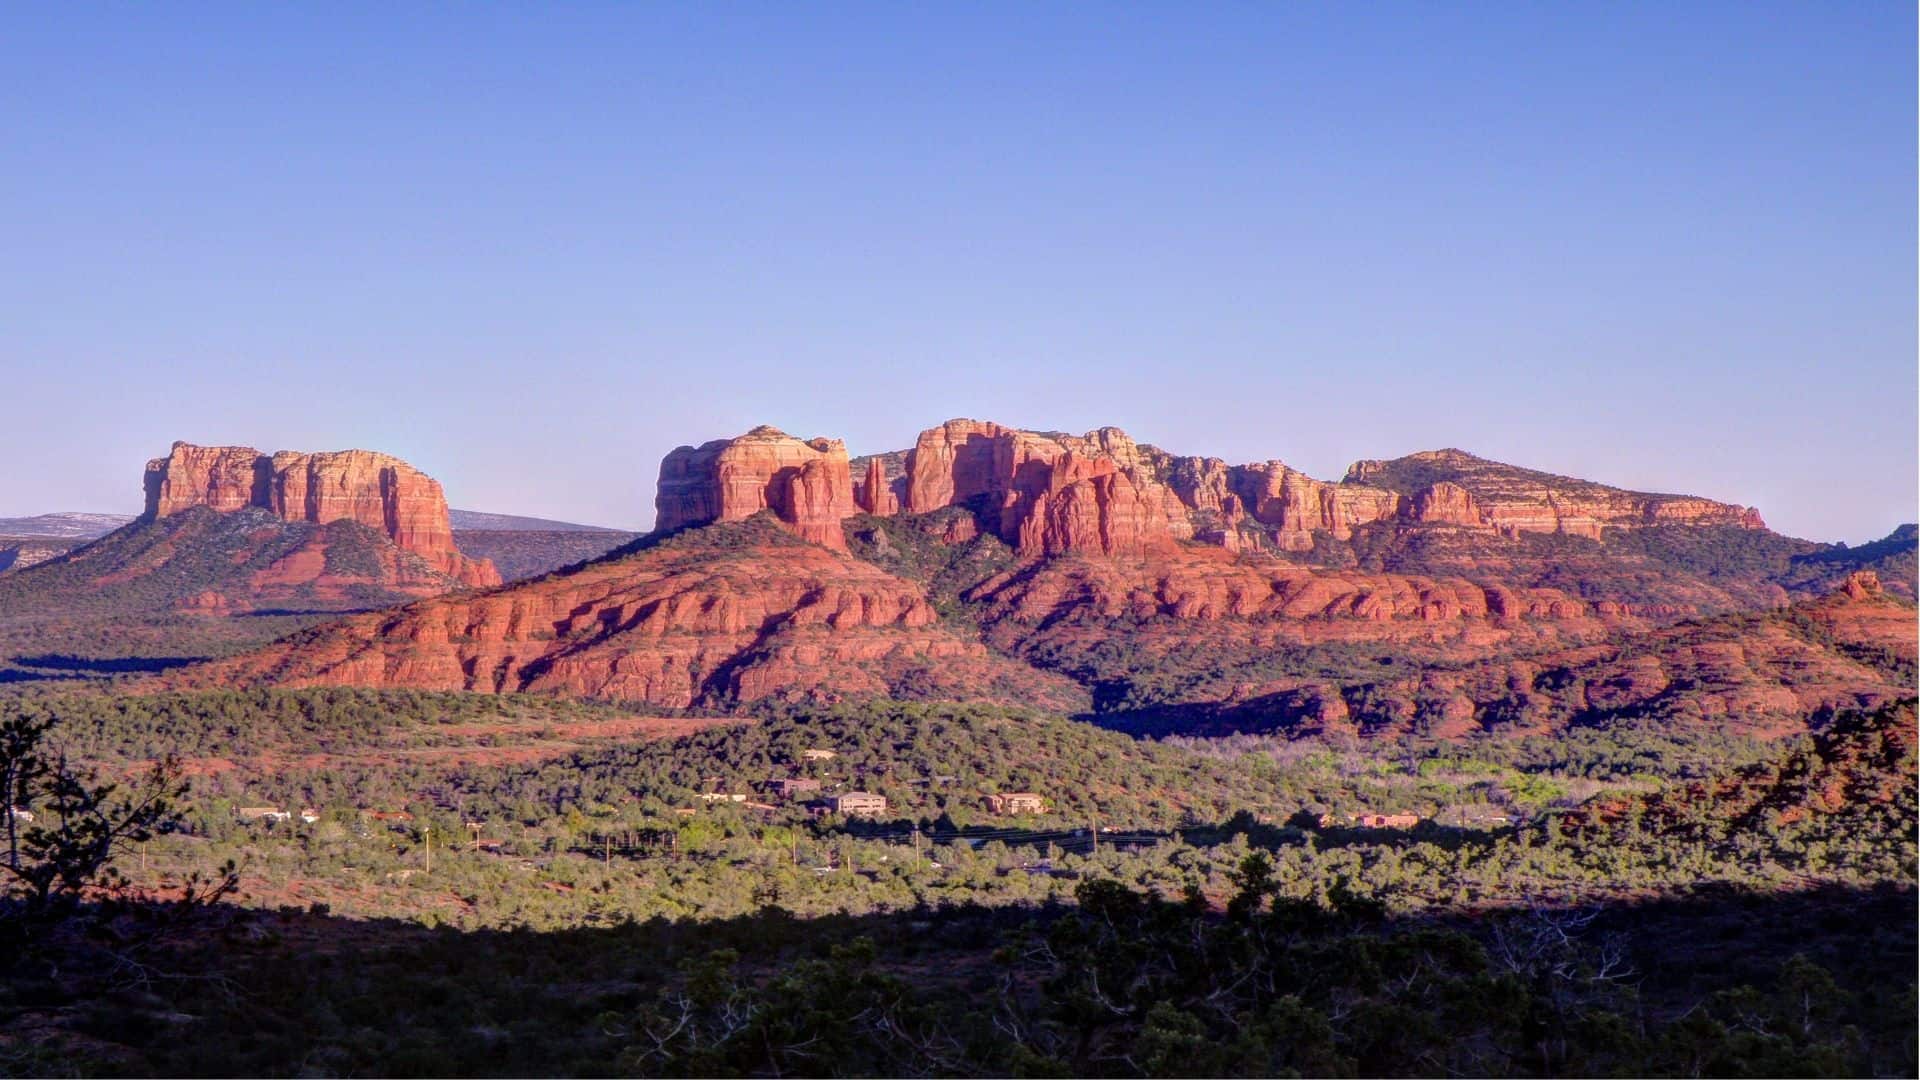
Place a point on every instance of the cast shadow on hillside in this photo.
(1199, 719)
(236, 991)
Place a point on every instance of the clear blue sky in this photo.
(532, 248)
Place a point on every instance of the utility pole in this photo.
(916, 847)
(1095, 823)
(426, 834)
(609, 859)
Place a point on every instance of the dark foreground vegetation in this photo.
(1118, 983)
(1632, 902)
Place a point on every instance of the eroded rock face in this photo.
(1298, 506)
(1447, 503)
(808, 485)
(223, 478)
(376, 490)
(874, 494)
(1515, 500)
(1047, 494)
(709, 620)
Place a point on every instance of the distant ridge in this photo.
(481, 521)
(66, 525)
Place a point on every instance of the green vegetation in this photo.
(912, 547)
(1622, 900)
(159, 566)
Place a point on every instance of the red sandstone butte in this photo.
(377, 490)
(807, 485)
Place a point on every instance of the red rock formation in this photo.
(1860, 585)
(1201, 483)
(1447, 504)
(1047, 494)
(1516, 500)
(1195, 584)
(376, 490)
(1091, 506)
(1008, 476)
(1299, 506)
(953, 463)
(223, 478)
(1466, 656)
(875, 494)
(679, 624)
(807, 485)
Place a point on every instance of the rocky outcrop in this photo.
(376, 490)
(1091, 505)
(1196, 584)
(20, 552)
(1047, 494)
(807, 485)
(736, 615)
(874, 494)
(1514, 500)
(223, 478)
(1211, 644)
(1297, 505)
(1447, 503)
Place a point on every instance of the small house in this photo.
(1017, 802)
(20, 814)
(264, 813)
(791, 786)
(859, 804)
(818, 755)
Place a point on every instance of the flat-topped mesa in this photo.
(1514, 500)
(1048, 493)
(376, 490)
(807, 485)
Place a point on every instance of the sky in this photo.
(531, 248)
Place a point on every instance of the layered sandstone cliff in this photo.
(376, 490)
(807, 485)
(1514, 500)
(1016, 479)
(1048, 493)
